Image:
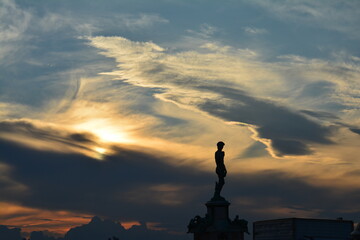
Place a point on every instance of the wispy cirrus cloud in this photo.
(14, 22)
(259, 94)
(32, 58)
(334, 15)
(140, 21)
(205, 31)
(255, 31)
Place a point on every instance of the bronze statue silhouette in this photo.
(216, 224)
(220, 170)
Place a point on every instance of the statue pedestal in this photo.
(216, 225)
(219, 212)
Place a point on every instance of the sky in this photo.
(114, 108)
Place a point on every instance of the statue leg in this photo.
(221, 184)
(218, 187)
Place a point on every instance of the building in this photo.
(302, 229)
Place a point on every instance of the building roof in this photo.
(308, 219)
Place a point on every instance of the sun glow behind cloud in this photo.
(105, 130)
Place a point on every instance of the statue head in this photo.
(220, 145)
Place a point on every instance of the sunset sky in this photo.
(114, 108)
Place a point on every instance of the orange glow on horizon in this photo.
(130, 224)
(34, 219)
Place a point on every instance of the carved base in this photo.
(219, 236)
(216, 225)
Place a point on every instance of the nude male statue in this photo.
(220, 169)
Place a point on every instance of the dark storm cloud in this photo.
(290, 132)
(137, 185)
(287, 190)
(355, 130)
(290, 147)
(296, 197)
(80, 137)
(28, 129)
(109, 188)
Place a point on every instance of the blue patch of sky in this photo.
(230, 17)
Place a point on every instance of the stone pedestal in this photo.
(216, 225)
(355, 235)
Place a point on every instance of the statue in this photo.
(199, 224)
(220, 171)
(240, 224)
(216, 224)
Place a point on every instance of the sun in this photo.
(105, 130)
(100, 150)
(109, 134)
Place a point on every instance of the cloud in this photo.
(133, 184)
(230, 85)
(288, 131)
(122, 173)
(37, 219)
(141, 104)
(355, 130)
(13, 25)
(332, 15)
(279, 200)
(320, 114)
(136, 141)
(255, 31)
(140, 21)
(205, 31)
(170, 74)
(103, 229)
(14, 21)
(43, 56)
(10, 188)
(48, 137)
(114, 183)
